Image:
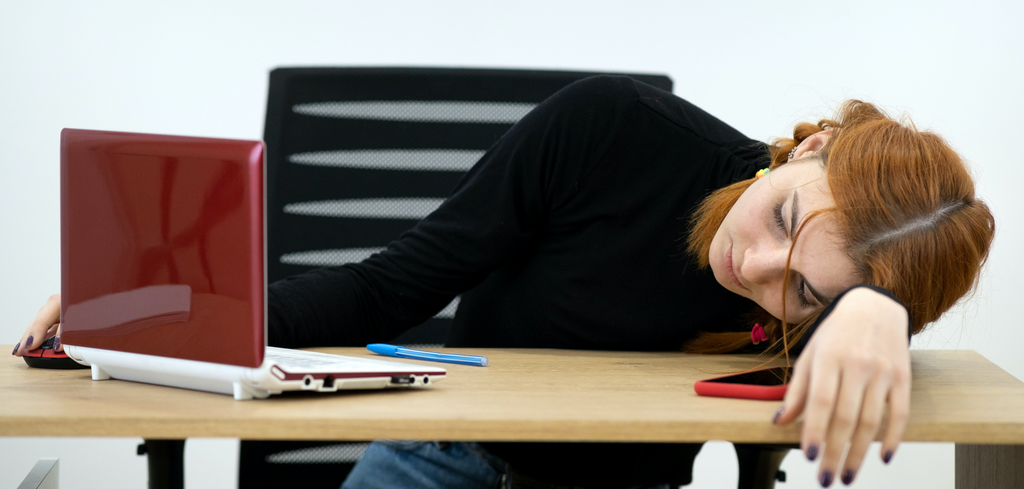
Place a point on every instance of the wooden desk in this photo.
(524, 395)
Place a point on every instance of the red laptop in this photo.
(162, 270)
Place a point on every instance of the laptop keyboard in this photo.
(308, 359)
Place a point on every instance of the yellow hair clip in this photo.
(762, 172)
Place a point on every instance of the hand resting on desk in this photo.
(856, 361)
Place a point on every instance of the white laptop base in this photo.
(282, 370)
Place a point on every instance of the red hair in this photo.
(904, 204)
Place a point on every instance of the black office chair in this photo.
(356, 156)
(759, 464)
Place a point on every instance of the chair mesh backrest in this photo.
(340, 453)
(356, 156)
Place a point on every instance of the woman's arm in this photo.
(497, 211)
(856, 361)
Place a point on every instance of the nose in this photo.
(765, 264)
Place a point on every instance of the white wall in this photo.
(200, 68)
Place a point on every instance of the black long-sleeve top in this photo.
(568, 233)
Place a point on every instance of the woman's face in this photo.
(748, 253)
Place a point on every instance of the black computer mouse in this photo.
(45, 357)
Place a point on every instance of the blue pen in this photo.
(402, 352)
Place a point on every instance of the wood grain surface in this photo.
(524, 395)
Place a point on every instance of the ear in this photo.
(813, 144)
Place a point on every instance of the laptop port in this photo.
(403, 379)
(328, 382)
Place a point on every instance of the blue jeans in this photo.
(389, 464)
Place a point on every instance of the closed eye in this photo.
(801, 286)
(800, 292)
(779, 221)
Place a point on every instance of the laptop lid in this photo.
(162, 249)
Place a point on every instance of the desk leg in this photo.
(995, 466)
(166, 460)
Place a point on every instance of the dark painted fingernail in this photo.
(888, 457)
(16, 348)
(778, 414)
(28, 342)
(56, 343)
(812, 452)
(848, 476)
(826, 478)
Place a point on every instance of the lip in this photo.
(732, 272)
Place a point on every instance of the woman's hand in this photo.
(857, 359)
(46, 322)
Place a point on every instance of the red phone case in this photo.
(740, 391)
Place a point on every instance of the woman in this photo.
(568, 233)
